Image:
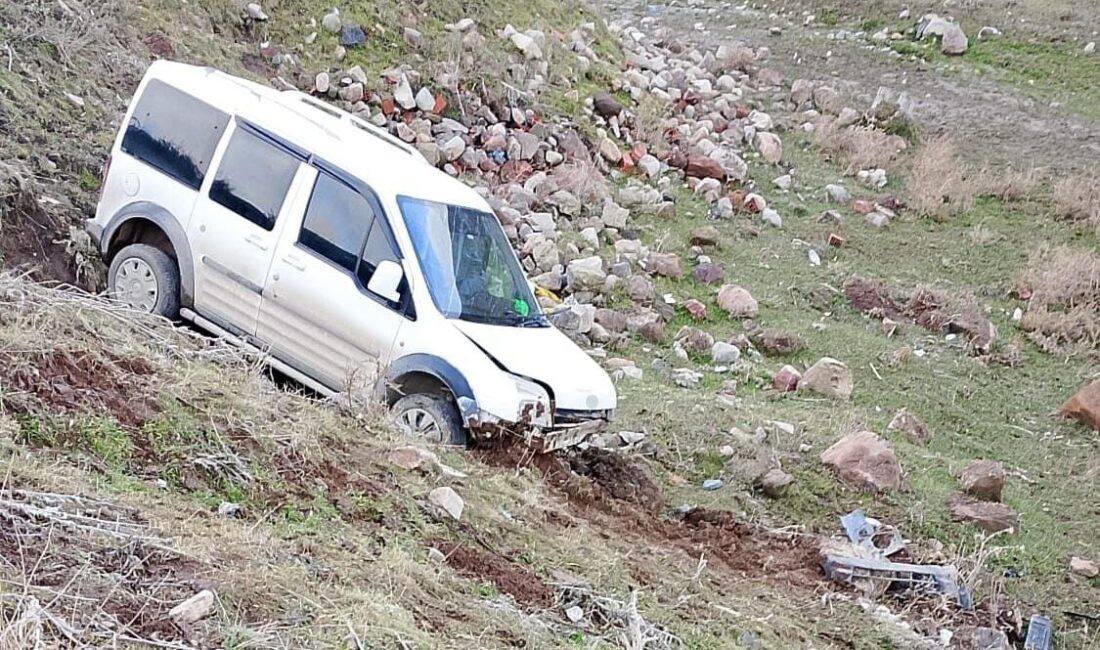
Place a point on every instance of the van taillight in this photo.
(103, 181)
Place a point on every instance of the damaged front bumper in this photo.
(572, 432)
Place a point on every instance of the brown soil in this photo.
(508, 577)
(593, 478)
(932, 310)
(750, 550)
(870, 298)
(66, 382)
(619, 498)
(31, 238)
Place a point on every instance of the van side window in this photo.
(376, 250)
(336, 222)
(174, 132)
(253, 178)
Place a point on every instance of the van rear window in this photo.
(174, 132)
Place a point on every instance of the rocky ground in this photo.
(831, 266)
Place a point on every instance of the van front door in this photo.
(317, 313)
(236, 223)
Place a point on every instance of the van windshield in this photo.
(471, 271)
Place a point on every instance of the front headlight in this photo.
(534, 403)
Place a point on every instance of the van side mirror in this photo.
(386, 280)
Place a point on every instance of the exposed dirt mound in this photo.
(750, 550)
(932, 310)
(614, 476)
(937, 312)
(32, 239)
(592, 478)
(870, 298)
(67, 382)
(508, 577)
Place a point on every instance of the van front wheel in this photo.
(433, 418)
(146, 279)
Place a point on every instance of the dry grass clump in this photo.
(1064, 312)
(583, 179)
(1078, 198)
(859, 147)
(939, 184)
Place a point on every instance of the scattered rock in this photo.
(786, 380)
(606, 106)
(865, 460)
(352, 36)
(665, 265)
(425, 100)
(1083, 567)
(255, 11)
(193, 609)
(229, 509)
(704, 167)
(725, 354)
(983, 479)
(331, 22)
(986, 515)
(1084, 406)
(775, 482)
(770, 147)
(586, 274)
(838, 194)
(911, 426)
(447, 499)
(697, 309)
(705, 236)
(707, 273)
(828, 377)
(778, 342)
(695, 340)
(575, 614)
(639, 288)
(737, 302)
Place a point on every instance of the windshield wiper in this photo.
(516, 320)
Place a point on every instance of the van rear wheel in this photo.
(433, 418)
(146, 279)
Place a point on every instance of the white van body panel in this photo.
(577, 381)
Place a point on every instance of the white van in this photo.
(287, 225)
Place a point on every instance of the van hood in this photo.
(549, 357)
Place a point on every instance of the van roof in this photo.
(387, 164)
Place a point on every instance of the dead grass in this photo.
(1064, 311)
(1077, 198)
(857, 148)
(939, 184)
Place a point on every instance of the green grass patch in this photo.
(1052, 72)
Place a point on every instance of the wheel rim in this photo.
(136, 284)
(420, 423)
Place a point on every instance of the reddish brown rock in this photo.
(1084, 406)
(697, 309)
(704, 167)
(986, 515)
(786, 380)
(911, 426)
(983, 479)
(865, 460)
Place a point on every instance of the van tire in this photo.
(140, 267)
(433, 418)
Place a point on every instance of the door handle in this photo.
(256, 241)
(294, 263)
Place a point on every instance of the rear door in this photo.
(317, 313)
(236, 224)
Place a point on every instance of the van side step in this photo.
(286, 369)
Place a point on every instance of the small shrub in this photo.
(1064, 311)
(859, 147)
(939, 184)
(1077, 198)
